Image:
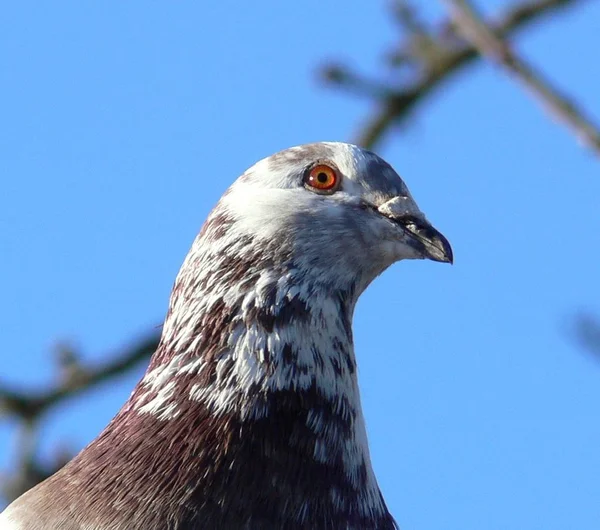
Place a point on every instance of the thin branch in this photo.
(29, 405)
(447, 55)
(28, 468)
(29, 408)
(498, 50)
(588, 334)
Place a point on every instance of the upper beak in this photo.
(426, 239)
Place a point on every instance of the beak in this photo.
(426, 239)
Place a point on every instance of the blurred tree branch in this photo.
(587, 331)
(425, 58)
(497, 49)
(29, 407)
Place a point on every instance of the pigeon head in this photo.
(249, 415)
(341, 213)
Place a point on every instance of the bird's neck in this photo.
(250, 413)
(242, 329)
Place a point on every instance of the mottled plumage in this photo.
(249, 415)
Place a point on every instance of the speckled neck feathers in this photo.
(249, 415)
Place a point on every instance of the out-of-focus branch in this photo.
(497, 49)
(29, 407)
(28, 470)
(426, 58)
(588, 333)
(29, 404)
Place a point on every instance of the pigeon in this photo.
(249, 415)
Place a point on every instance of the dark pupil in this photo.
(322, 177)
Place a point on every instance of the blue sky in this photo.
(122, 124)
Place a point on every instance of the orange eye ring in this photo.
(322, 178)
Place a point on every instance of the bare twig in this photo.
(28, 404)
(28, 471)
(447, 54)
(588, 333)
(491, 44)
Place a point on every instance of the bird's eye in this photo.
(322, 178)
